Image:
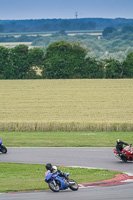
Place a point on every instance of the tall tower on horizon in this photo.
(76, 14)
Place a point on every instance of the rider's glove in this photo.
(61, 173)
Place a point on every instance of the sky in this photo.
(65, 9)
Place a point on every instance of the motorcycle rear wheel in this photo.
(3, 149)
(74, 186)
(54, 188)
(124, 159)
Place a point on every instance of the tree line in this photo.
(124, 33)
(37, 25)
(60, 60)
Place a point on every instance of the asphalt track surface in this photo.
(84, 157)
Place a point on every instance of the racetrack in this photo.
(87, 157)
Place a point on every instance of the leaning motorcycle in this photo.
(3, 149)
(126, 154)
(57, 182)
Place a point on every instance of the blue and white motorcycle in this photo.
(57, 182)
(3, 149)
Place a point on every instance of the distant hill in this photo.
(41, 25)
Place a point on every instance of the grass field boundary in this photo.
(65, 126)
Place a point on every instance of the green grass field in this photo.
(18, 177)
(64, 139)
(66, 105)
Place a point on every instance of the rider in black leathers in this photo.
(119, 146)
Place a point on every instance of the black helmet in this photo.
(48, 166)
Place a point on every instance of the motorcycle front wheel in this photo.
(73, 185)
(124, 158)
(3, 149)
(53, 187)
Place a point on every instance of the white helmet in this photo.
(54, 169)
(118, 140)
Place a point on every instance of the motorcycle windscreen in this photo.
(0, 141)
(48, 175)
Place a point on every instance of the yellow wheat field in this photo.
(69, 105)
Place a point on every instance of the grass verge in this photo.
(64, 139)
(19, 177)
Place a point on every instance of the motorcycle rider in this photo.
(119, 146)
(53, 170)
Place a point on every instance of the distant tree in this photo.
(128, 66)
(93, 68)
(108, 31)
(62, 32)
(90, 25)
(59, 33)
(65, 24)
(1, 27)
(64, 60)
(113, 69)
(4, 61)
(18, 63)
(35, 57)
(127, 29)
(36, 61)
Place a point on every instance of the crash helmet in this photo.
(118, 140)
(54, 169)
(48, 166)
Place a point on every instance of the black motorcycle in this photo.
(3, 149)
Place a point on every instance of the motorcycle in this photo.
(57, 182)
(3, 149)
(126, 154)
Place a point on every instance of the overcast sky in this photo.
(65, 9)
